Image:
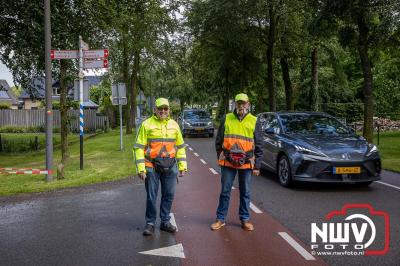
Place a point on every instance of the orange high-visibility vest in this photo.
(238, 138)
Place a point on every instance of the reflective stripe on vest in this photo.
(161, 140)
(238, 138)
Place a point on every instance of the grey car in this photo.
(196, 122)
(316, 147)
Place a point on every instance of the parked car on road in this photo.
(196, 122)
(316, 147)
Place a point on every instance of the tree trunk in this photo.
(134, 86)
(288, 84)
(227, 94)
(64, 119)
(182, 104)
(270, 59)
(368, 131)
(314, 92)
(125, 73)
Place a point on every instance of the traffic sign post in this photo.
(95, 54)
(94, 61)
(81, 115)
(119, 97)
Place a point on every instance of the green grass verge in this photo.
(103, 161)
(389, 148)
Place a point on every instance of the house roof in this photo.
(6, 94)
(37, 87)
(89, 104)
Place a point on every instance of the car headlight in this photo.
(209, 123)
(308, 151)
(187, 124)
(371, 149)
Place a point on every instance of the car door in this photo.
(271, 130)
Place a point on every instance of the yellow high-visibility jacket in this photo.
(159, 138)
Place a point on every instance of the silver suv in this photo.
(196, 122)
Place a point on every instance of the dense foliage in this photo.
(338, 56)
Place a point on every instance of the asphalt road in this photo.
(296, 208)
(102, 224)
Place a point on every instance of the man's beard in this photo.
(163, 116)
(243, 112)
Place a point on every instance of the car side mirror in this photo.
(270, 130)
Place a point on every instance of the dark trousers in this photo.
(168, 183)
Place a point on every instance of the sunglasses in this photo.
(162, 108)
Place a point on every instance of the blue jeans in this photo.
(168, 182)
(227, 177)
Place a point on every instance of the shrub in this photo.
(5, 105)
(22, 129)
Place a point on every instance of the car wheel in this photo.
(211, 135)
(284, 171)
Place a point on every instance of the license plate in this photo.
(200, 128)
(346, 170)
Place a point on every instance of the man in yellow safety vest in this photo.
(159, 152)
(239, 151)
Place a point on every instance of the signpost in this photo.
(95, 63)
(74, 54)
(82, 54)
(119, 98)
(95, 54)
(81, 121)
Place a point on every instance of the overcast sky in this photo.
(5, 74)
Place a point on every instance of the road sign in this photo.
(86, 84)
(64, 54)
(95, 63)
(122, 100)
(118, 91)
(74, 54)
(95, 53)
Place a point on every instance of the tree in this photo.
(136, 29)
(22, 31)
(367, 25)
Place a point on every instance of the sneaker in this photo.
(217, 225)
(168, 227)
(148, 230)
(246, 225)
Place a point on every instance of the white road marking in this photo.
(172, 220)
(171, 251)
(213, 171)
(204, 162)
(386, 184)
(254, 208)
(234, 188)
(196, 154)
(296, 246)
(190, 148)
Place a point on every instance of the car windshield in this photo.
(195, 115)
(312, 124)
